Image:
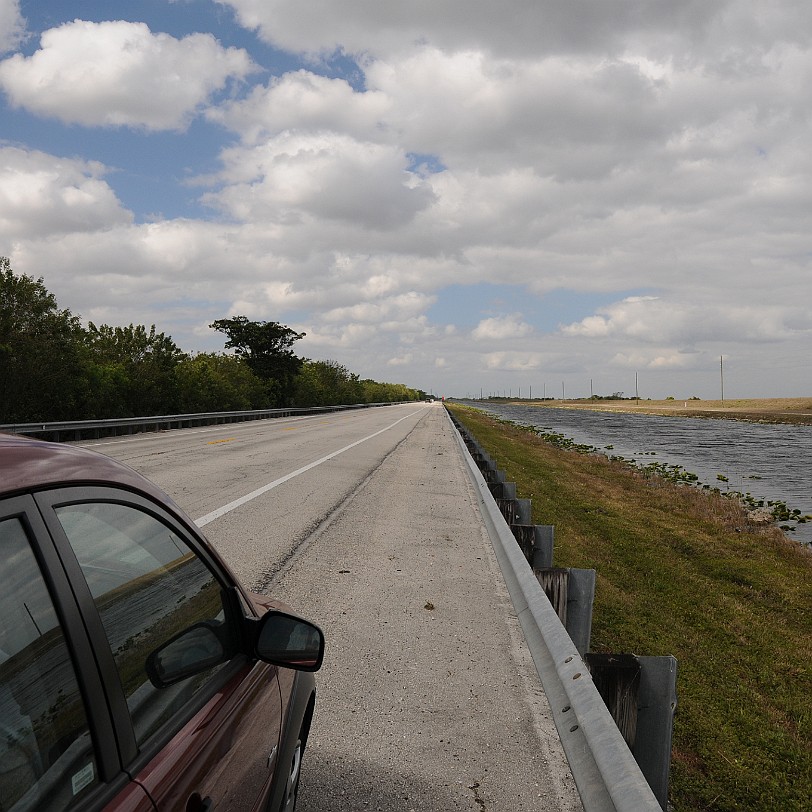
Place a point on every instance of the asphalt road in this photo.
(366, 522)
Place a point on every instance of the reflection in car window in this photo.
(46, 754)
(148, 587)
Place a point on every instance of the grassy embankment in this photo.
(679, 571)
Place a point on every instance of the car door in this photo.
(57, 747)
(142, 580)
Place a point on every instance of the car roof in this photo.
(28, 464)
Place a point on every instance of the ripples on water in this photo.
(769, 461)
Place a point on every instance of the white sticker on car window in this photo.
(83, 778)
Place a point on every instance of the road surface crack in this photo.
(477, 799)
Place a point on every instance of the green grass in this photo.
(680, 571)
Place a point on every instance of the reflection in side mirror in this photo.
(193, 650)
(290, 641)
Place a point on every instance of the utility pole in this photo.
(562, 390)
(636, 390)
(591, 392)
(531, 391)
(722, 377)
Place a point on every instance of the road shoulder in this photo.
(428, 699)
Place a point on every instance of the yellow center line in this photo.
(215, 442)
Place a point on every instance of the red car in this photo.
(135, 672)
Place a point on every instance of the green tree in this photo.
(214, 382)
(42, 370)
(375, 392)
(265, 346)
(326, 383)
(134, 370)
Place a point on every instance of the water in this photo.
(769, 461)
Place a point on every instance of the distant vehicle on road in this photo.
(136, 673)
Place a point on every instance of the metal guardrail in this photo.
(163, 422)
(605, 771)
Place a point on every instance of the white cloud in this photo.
(403, 307)
(345, 337)
(653, 320)
(588, 150)
(531, 27)
(501, 328)
(304, 101)
(120, 74)
(554, 114)
(12, 25)
(659, 360)
(42, 195)
(513, 361)
(321, 175)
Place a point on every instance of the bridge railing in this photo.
(607, 773)
(83, 429)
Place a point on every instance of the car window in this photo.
(149, 587)
(46, 754)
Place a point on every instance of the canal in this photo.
(768, 461)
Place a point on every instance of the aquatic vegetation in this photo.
(789, 518)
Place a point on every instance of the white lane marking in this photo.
(216, 514)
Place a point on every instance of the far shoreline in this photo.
(796, 411)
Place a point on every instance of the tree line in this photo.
(52, 367)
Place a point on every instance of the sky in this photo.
(469, 197)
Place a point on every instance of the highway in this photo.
(366, 522)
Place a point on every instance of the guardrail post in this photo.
(571, 592)
(524, 511)
(641, 695)
(554, 581)
(580, 600)
(656, 704)
(501, 489)
(543, 546)
(525, 537)
(617, 678)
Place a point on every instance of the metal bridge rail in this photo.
(605, 771)
(162, 422)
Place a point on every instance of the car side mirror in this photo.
(195, 649)
(289, 641)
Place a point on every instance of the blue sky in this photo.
(445, 195)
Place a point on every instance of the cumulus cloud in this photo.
(531, 27)
(396, 308)
(513, 361)
(322, 175)
(556, 115)
(661, 359)
(501, 328)
(304, 101)
(120, 74)
(580, 151)
(649, 319)
(42, 195)
(12, 25)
